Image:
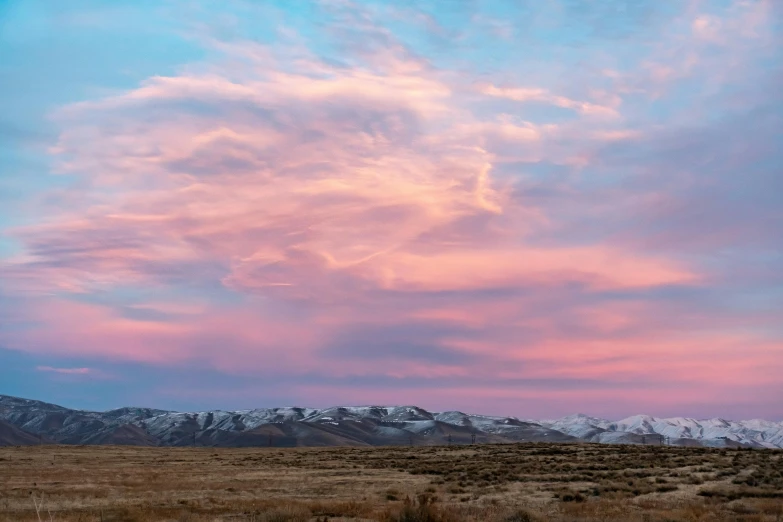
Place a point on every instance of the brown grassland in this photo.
(503, 483)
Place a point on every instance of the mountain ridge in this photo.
(363, 425)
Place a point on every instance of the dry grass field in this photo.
(504, 483)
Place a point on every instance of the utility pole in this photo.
(449, 439)
(472, 438)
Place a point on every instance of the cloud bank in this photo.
(351, 216)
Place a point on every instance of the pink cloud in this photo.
(523, 94)
(707, 27)
(326, 195)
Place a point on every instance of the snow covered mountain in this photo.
(361, 425)
(675, 430)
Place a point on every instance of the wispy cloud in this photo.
(66, 371)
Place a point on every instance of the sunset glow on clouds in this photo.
(526, 208)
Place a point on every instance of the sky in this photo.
(529, 208)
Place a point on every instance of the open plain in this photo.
(501, 482)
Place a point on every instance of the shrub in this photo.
(422, 509)
(519, 516)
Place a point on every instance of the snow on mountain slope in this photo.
(578, 425)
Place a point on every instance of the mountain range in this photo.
(25, 421)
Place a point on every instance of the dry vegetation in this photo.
(503, 483)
